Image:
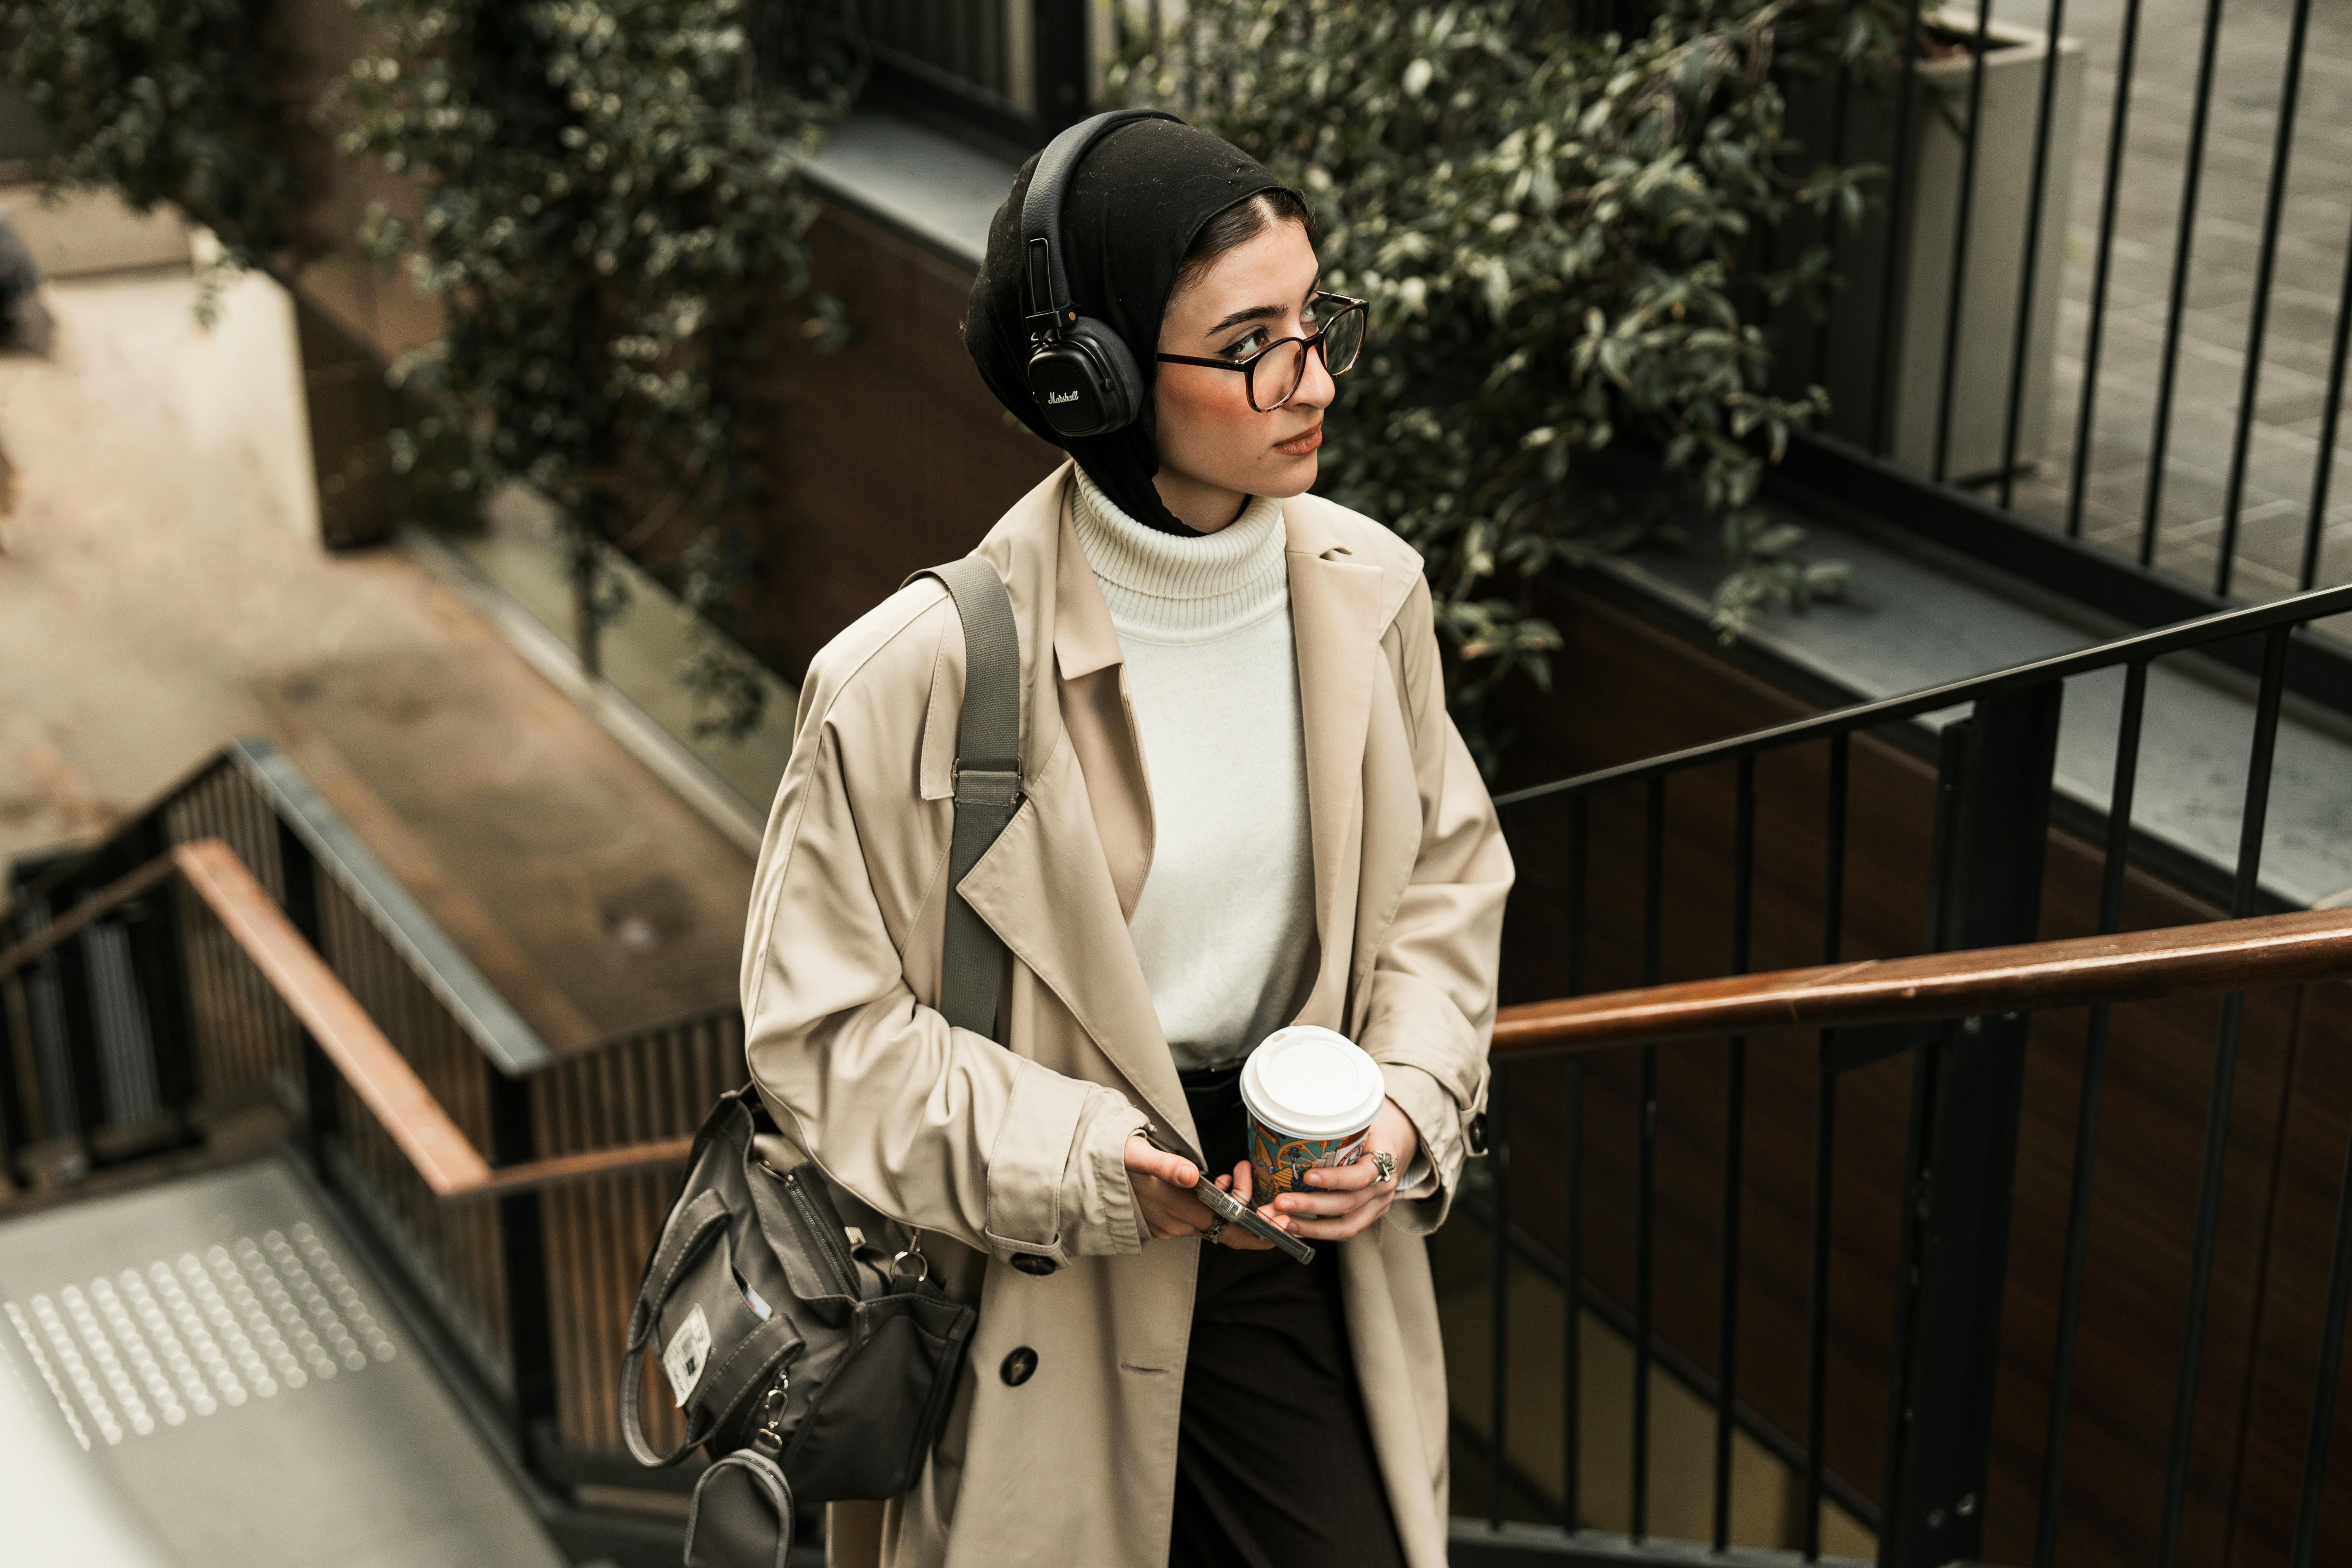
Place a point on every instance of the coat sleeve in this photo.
(942, 1128)
(1431, 1011)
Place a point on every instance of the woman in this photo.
(1244, 806)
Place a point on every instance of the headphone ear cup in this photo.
(1085, 381)
(1122, 381)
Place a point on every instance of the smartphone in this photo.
(1222, 1203)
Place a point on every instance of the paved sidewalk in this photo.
(141, 1328)
(162, 592)
(2317, 217)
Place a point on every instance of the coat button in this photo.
(1018, 1366)
(1036, 1263)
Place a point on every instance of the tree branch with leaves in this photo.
(608, 209)
(1560, 232)
(161, 101)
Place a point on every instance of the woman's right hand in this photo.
(1163, 1186)
(1163, 1190)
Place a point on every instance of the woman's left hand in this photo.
(1348, 1199)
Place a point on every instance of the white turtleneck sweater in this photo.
(1225, 925)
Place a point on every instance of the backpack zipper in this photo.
(824, 1234)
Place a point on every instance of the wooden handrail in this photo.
(2180, 961)
(2136, 966)
(433, 1143)
(534, 1175)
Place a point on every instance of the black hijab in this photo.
(1130, 213)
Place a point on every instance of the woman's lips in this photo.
(1306, 441)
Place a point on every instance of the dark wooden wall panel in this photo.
(2266, 1473)
(892, 454)
(1630, 689)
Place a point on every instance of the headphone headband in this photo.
(1050, 309)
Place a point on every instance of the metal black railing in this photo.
(105, 1059)
(2106, 303)
(1604, 1174)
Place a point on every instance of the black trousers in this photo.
(1273, 1458)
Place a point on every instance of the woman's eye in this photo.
(1245, 347)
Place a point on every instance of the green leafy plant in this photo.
(1556, 229)
(607, 206)
(161, 101)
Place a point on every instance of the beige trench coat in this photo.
(993, 1151)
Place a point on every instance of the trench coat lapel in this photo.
(1335, 603)
(1044, 887)
(1060, 882)
(1059, 886)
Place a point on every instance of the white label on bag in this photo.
(686, 1354)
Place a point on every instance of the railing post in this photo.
(13, 1125)
(69, 962)
(321, 1107)
(157, 962)
(1992, 831)
(522, 1241)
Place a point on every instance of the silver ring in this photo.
(1216, 1228)
(1385, 1163)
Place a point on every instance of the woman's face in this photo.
(1215, 451)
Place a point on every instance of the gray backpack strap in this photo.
(987, 783)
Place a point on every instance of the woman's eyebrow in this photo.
(1261, 312)
(1254, 313)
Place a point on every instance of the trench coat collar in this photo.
(1051, 887)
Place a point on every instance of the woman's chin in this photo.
(1289, 476)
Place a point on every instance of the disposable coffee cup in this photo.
(1311, 1094)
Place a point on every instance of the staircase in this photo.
(236, 956)
(1846, 1313)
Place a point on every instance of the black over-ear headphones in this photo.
(1083, 376)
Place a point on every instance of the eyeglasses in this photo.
(1284, 363)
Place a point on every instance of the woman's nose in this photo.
(1315, 387)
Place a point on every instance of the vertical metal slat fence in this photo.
(1994, 786)
(2178, 483)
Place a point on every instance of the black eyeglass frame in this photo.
(1248, 367)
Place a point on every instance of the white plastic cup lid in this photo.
(1312, 1082)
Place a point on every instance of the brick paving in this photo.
(2309, 279)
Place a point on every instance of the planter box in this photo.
(91, 232)
(1848, 358)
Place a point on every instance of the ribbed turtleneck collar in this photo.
(1164, 588)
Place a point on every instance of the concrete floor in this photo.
(162, 591)
(210, 1359)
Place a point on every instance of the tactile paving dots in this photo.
(24, 1328)
(347, 1301)
(53, 1328)
(208, 1300)
(255, 1317)
(187, 1336)
(108, 1364)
